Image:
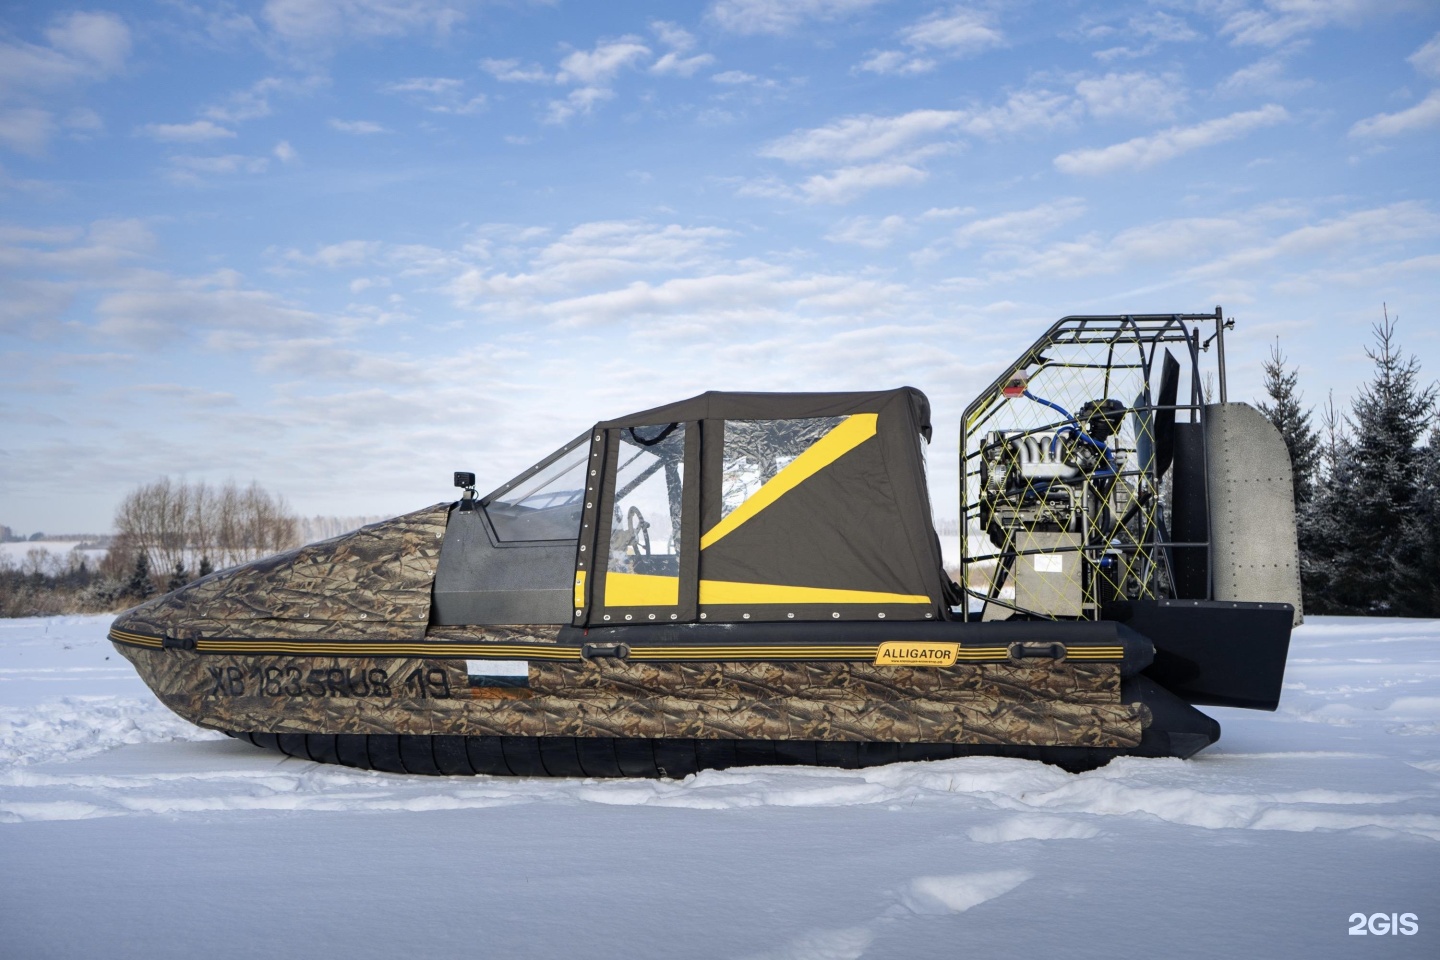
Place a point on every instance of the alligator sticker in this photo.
(902, 653)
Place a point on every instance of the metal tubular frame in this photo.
(1148, 333)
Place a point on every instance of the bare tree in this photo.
(178, 524)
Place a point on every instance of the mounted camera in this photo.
(467, 482)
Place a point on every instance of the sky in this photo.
(346, 247)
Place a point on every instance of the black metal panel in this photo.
(1190, 517)
(483, 581)
(1165, 415)
(1221, 653)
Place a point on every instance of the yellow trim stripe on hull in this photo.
(495, 651)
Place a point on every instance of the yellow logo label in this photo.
(579, 588)
(903, 653)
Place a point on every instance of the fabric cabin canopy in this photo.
(730, 507)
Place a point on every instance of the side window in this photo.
(645, 524)
(756, 450)
(545, 506)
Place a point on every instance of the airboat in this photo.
(755, 578)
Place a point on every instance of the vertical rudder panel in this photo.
(1253, 546)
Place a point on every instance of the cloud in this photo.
(1424, 114)
(101, 39)
(510, 71)
(589, 253)
(195, 132)
(435, 86)
(153, 307)
(27, 130)
(1023, 110)
(1032, 222)
(681, 42)
(348, 253)
(847, 183)
(581, 100)
(81, 48)
(871, 152)
(735, 78)
(1142, 152)
(1153, 29)
(1275, 22)
(748, 17)
(284, 152)
(1164, 27)
(1427, 58)
(895, 62)
(253, 102)
(324, 22)
(862, 137)
(1229, 248)
(1131, 95)
(601, 64)
(961, 32)
(1362, 233)
(716, 294)
(673, 63)
(590, 70)
(358, 127)
(188, 169)
(438, 94)
(1265, 77)
(82, 121)
(870, 232)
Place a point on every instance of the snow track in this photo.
(1263, 845)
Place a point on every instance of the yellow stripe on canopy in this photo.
(740, 594)
(846, 436)
(641, 590)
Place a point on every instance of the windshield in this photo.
(545, 502)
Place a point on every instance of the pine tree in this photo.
(1376, 481)
(178, 579)
(1417, 581)
(140, 586)
(1322, 541)
(1293, 422)
(206, 567)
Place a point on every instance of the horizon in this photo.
(344, 249)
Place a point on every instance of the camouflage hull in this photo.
(327, 653)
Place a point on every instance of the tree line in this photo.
(1367, 486)
(167, 534)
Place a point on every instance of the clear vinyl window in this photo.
(756, 450)
(649, 488)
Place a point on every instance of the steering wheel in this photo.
(637, 532)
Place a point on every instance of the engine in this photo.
(1057, 502)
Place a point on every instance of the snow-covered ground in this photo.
(15, 553)
(125, 832)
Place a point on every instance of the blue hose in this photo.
(1079, 431)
